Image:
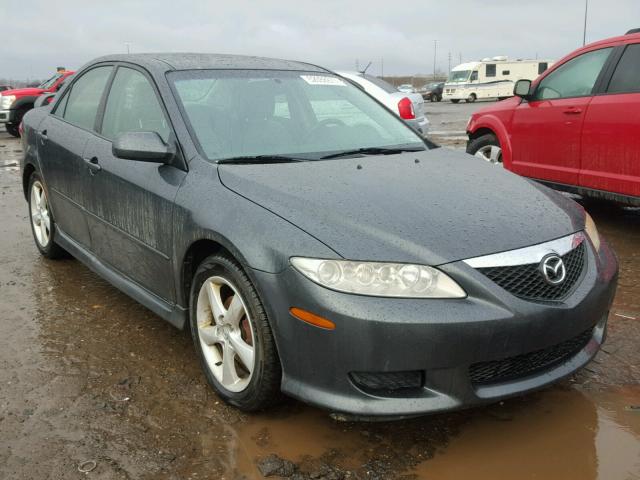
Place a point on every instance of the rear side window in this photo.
(491, 70)
(626, 77)
(574, 78)
(378, 82)
(132, 106)
(542, 67)
(81, 105)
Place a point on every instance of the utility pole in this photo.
(449, 62)
(435, 50)
(381, 67)
(584, 31)
(127, 44)
(460, 57)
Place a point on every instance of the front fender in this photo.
(24, 102)
(258, 238)
(496, 126)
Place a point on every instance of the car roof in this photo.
(162, 62)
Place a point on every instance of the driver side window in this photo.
(132, 106)
(576, 78)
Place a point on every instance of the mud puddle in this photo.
(86, 374)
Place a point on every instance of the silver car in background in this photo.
(408, 106)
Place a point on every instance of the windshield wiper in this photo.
(372, 151)
(258, 159)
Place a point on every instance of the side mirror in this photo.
(44, 100)
(142, 146)
(522, 89)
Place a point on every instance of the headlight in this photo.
(592, 231)
(379, 279)
(5, 102)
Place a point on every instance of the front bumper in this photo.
(440, 338)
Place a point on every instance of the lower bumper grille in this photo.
(512, 368)
(387, 382)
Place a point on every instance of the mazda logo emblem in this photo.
(553, 270)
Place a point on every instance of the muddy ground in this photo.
(87, 375)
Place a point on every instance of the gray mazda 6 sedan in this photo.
(314, 243)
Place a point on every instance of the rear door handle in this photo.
(573, 111)
(94, 166)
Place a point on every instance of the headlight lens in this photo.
(379, 279)
(592, 231)
(5, 102)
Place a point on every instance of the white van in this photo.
(490, 78)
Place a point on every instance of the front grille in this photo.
(381, 382)
(512, 368)
(527, 282)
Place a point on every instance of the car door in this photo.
(546, 129)
(63, 136)
(131, 202)
(611, 133)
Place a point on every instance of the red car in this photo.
(576, 127)
(14, 103)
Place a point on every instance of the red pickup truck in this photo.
(576, 127)
(15, 103)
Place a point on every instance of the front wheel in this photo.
(486, 147)
(12, 129)
(43, 225)
(433, 97)
(471, 98)
(232, 335)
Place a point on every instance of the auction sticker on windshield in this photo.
(322, 80)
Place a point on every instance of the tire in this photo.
(44, 241)
(433, 97)
(439, 98)
(457, 100)
(485, 147)
(219, 337)
(471, 98)
(12, 129)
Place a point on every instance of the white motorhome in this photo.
(490, 78)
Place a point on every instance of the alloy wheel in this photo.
(40, 215)
(225, 332)
(490, 153)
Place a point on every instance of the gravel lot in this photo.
(87, 375)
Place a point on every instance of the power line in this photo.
(584, 31)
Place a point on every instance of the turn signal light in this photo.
(312, 318)
(405, 108)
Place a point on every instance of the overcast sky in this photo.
(39, 35)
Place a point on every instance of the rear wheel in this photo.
(43, 225)
(455, 100)
(232, 335)
(486, 147)
(471, 98)
(433, 97)
(12, 129)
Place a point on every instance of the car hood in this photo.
(22, 92)
(431, 207)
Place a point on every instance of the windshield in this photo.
(49, 83)
(459, 76)
(244, 113)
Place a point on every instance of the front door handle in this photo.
(573, 111)
(94, 166)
